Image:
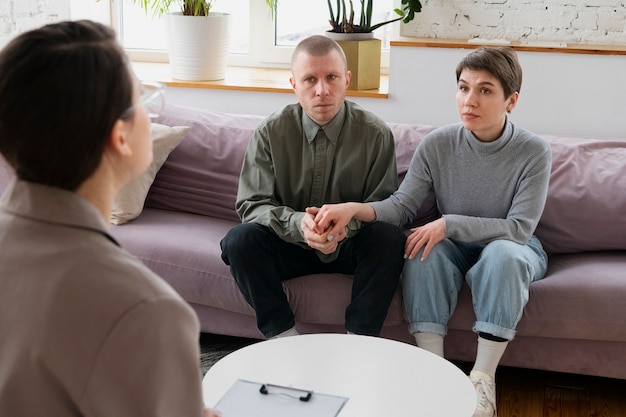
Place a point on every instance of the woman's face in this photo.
(482, 105)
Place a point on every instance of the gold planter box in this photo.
(364, 63)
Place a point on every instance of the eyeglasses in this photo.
(152, 99)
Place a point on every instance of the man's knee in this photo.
(388, 236)
(239, 239)
(382, 244)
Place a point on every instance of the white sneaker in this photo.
(485, 395)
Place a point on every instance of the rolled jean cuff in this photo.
(493, 329)
(428, 328)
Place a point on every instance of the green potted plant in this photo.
(363, 51)
(191, 59)
(342, 17)
(188, 7)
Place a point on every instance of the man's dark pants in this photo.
(260, 261)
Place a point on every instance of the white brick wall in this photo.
(16, 16)
(569, 21)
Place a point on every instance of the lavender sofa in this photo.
(574, 322)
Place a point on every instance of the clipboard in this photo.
(255, 399)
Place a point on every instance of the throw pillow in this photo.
(202, 176)
(129, 201)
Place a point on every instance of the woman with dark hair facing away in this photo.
(85, 328)
(490, 180)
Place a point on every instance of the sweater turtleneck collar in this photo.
(493, 146)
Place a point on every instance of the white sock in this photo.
(488, 356)
(432, 342)
(290, 332)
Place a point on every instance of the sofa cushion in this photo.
(201, 175)
(585, 209)
(130, 199)
(581, 297)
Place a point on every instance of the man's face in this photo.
(320, 82)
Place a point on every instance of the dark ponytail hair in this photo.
(62, 88)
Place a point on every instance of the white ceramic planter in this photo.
(198, 45)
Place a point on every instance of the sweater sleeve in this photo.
(404, 204)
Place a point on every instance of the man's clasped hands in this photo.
(325, 227)
(324, 232)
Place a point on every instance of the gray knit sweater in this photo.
(485, 191)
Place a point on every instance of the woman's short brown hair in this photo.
(62, 88)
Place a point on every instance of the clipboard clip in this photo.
(265, 390)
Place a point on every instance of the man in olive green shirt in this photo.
(322, 150)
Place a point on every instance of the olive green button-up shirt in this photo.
(292, 163)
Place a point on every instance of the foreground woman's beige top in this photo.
(85, 328)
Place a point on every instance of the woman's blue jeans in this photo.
(498, 274)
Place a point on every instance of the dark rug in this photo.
(214, 347)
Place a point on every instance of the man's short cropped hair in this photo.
(318, 45)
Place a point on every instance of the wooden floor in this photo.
(531, 393)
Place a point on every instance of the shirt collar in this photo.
(332, 129)
(52, 205)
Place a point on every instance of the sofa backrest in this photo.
(585, 209)
(202, 174)
(586, 205)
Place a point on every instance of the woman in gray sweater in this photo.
(490, 180)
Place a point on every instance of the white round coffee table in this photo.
(380, 377)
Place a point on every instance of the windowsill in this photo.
(266, 80)
(530, 46)
(270, 80)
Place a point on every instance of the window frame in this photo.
(262, 52)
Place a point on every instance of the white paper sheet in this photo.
(244, 399)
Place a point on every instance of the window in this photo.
(272, 41)
(292, 24)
